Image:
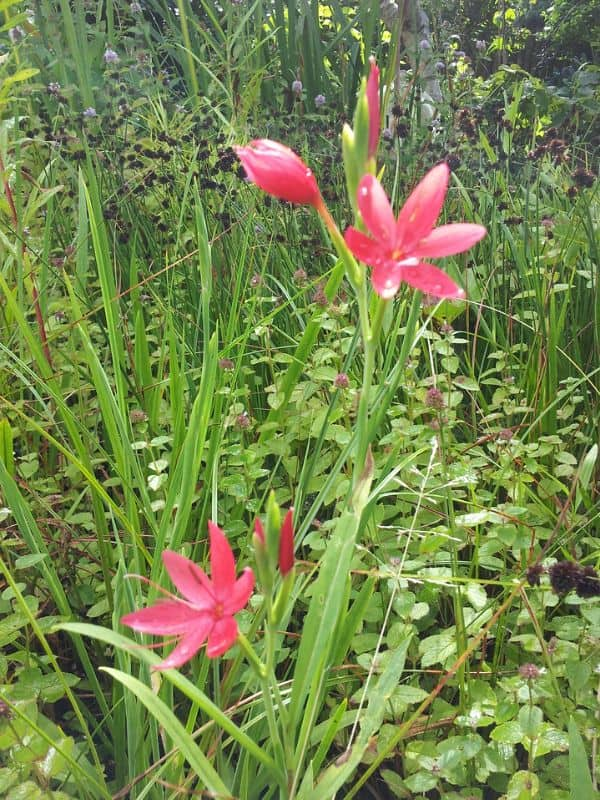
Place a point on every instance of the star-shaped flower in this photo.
(395, 247)
(205, 614)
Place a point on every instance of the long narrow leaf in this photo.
(181, 739)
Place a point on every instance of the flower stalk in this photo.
(393, 248)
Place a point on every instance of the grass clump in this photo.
(177, 347)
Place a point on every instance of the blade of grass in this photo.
(179, 681)
(34, 540)
(98, 778)
(181, 739)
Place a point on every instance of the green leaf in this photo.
(379, 696)
(188, 688)
(8, 778)
(6, 447)
(352, 621)
(24, 562)
(421, 782)
(524, 786)
(182, 740)
(580, 779)
(507, 733)
(26, 791)
(21, 75)
(476, 595)
(327, 738)
(323, 617)
(530, 720)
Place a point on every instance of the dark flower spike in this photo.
(563, 576)
(587, 583)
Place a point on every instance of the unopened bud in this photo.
(259, 531)
(286, 544)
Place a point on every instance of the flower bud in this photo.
(286, 544)
(373, 103)
(277, 170)
(263, 568)
(259, 531)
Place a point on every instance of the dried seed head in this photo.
(534, 573)
(5, 711)
(300, 276)
(564, 576)
(243, 421)
(587, 583)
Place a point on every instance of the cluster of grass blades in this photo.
(173, 348)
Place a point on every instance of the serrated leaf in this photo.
(24, 562)
(476, 595)
(507, 733)
(524, 786)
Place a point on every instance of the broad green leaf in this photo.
(524, 786)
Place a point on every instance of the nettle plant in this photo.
(280, 745)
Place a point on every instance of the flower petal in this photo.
(286, 543)
(222, 563)
(421, 210)
(376, 211)
(222, 637)
(241, 592)
(279, 171)
(190, 579)
(364, 248)
(387, 277)
(373, 105)
(449, 239)
(166, 618)
(432, 280)
(188, 646)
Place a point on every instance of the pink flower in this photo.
(286, 544)
(277, 170)
(206, 612)
(259, 531)
(373, 103)
(395, 247)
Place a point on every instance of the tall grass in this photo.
(193, 371)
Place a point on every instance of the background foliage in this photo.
(172, 345)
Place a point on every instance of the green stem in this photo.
(270, 688)
(253, 659)
(461, 630)
(274, 735)
(371, 333)
(355, 274)
(362, 420)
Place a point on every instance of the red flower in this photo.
(207, 611)
(286, 544)
(277, 170)
(395, 247)
(373, 103)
